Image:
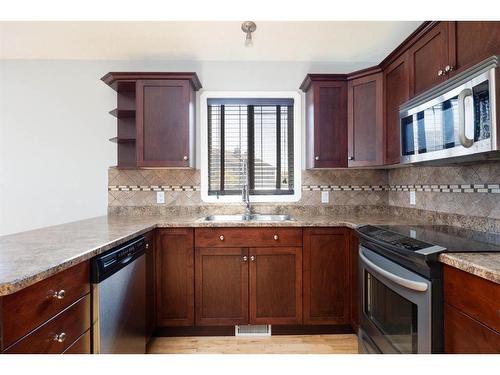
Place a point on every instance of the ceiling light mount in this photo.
(248, 27)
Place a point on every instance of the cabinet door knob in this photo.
(57, 294)
(252, 258)
(147, 246)
(440, 72)
(59, 337)
(221, 237)
(350, 158)
(316, 158)
(245, 258)
(185, 157)
(448, 68)
(276, 238)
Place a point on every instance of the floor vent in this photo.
(252, 330)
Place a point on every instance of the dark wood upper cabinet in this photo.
(428, 58)
(326, 276)
(326, 120)
(276, 285)
(470, 42)
(164, 123)
(174, 275)
(396, 92)
(156, 118)
(221, 280)
(365, 120)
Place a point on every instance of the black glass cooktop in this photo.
(428, 239)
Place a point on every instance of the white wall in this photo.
(54, 128)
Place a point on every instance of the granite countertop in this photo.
(485, 265)
(28, 257)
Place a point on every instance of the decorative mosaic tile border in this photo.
(344, 188)
(464, 188)
(153, 188)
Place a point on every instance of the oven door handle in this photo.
(409, 284)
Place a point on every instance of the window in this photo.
(257, 133)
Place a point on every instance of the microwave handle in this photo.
(409, 284)
(464, 141)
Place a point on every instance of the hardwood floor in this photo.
(303, 344)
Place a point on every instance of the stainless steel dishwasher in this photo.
(119, 299)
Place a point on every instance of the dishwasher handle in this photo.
(112, 261)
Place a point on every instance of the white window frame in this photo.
(297, 142)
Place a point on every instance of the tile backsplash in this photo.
(138, 187)
(458, 189)
(468, 190)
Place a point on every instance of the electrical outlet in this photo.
(413, 198)
(325, 196)
(160, 197)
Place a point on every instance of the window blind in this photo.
(258, 129)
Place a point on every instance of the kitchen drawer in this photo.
(464, 335)
(475, 296)
(247, 237)
(81, 345)
(34, 305)
(69, 325)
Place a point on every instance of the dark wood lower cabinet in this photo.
(276, 285)
(326, 276)
(464, 335)
(150, 284)
(221, 286)
(354, 258)
(174, 277)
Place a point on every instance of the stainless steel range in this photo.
(400, 285)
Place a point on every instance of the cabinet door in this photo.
(473, 41)
(354, 258)
(150, 284)
(328, 132)
(464, 335)
(428, 56)
(221, 279)
(396, 92)
(326, 276)
(174, 277)
(365, 121)
(276, 285)
(163, 123)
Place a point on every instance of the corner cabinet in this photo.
(396, 92)
(326, 120)
(365, 119)
(156, 118)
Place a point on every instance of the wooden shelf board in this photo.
(122, 140)
(120, 113)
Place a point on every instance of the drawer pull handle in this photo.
(57, 294)
(59, 337)
(252, 258)
(221, 237)
(276, 238)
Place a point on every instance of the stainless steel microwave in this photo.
(456, 119)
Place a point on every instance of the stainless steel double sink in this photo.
(253, 217)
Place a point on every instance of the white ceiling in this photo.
(328, 41)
